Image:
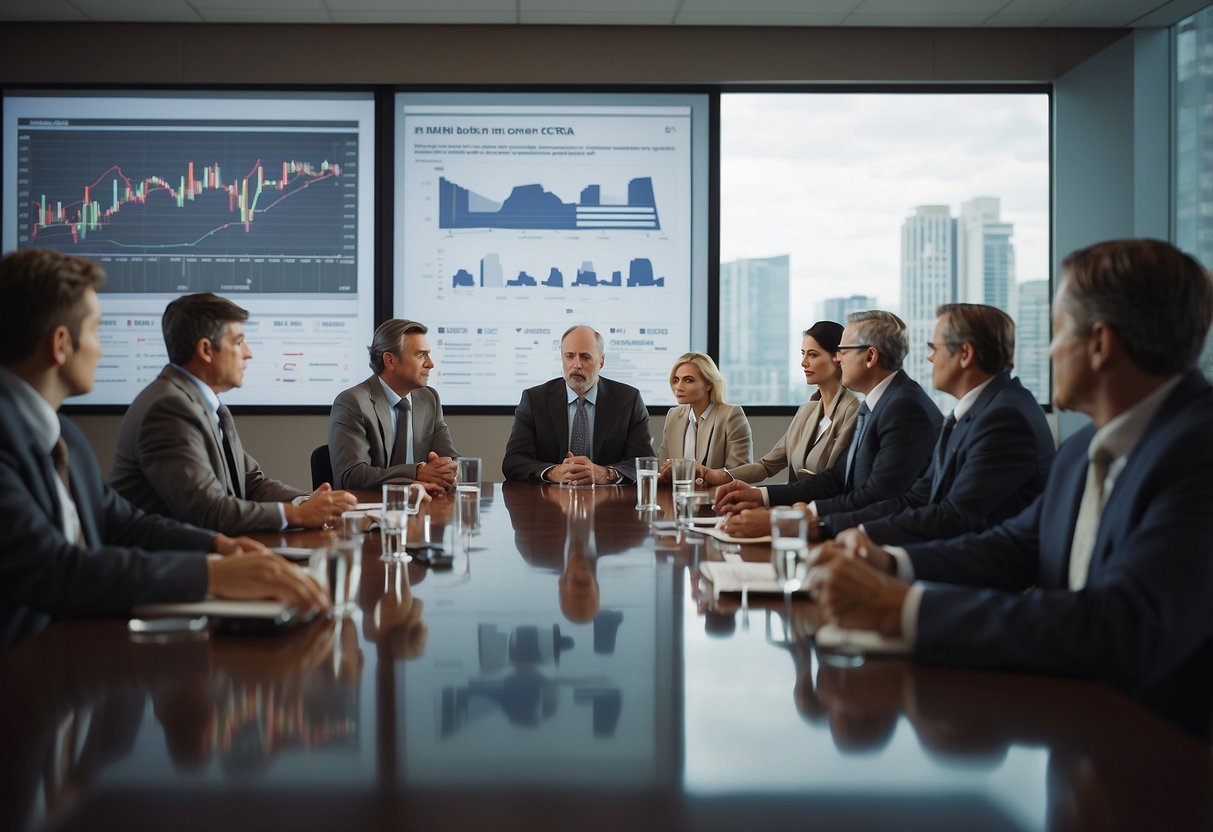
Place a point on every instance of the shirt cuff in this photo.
(766, 498)
(543, 475)
(905, 569)
(909, 614)
(813, 510)
(282, 515)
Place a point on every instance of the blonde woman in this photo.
(703, 427)
(820, 431)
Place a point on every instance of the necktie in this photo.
(861, 424)
(1090, 510)
(60, 458)
(941, 450)
(227, 428)
(580, 444)
(402, 450)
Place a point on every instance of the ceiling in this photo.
(917, 13)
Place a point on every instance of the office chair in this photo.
(322, 466)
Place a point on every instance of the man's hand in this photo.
(258, 577)
(579, 470)
(437, 473)
(225, 545)
(854, 595)
(737, 496)
(856, 543)
(711, 476)
(323, 508)
(665, 472)
(751, 522)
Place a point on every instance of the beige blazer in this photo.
(722, 442)
(799, 450)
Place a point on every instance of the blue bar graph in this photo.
(534, 208)
(640, 274)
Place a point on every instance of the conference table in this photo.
(568, 669)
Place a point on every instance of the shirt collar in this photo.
(393, 398)
(1119, 436)
(208, 395)
(591, 396)
(876, 392)
(706, 412)
(35, 411)
(969, 399)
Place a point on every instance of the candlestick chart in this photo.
(195, 209)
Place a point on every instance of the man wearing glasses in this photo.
(895, 433)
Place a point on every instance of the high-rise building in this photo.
(985, 255)
(1032, 338)
(755, 337)
(837, 309)
(1194, 144)
(928, 279)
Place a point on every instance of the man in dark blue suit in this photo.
(1107, 575)
(895, 432)
(579, 429)
(70, 546)
(995, 449)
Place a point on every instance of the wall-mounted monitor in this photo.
(266, 198)
(520, 214)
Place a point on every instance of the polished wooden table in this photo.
(567, 671)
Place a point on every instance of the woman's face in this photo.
(690, 388)
(818, 364)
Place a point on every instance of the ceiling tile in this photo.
(922, 20)
(456, 8)
(763, 7)
(600, 18)
(289, 6)
(598, 7)
(405, 16)
(244, 15)
(144, 11)
(745, 18)
(929, 8)
(38, 10)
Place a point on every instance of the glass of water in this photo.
(790, 547)
(338, 569)
(467, 479)
(682, 471)
(646, 483)
(399, 501)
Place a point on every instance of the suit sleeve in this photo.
(41, 570)
(663, 450)
(639, 441)
(739, 449)
(907, 437)
(999, 461)
(441, 442)
(173, 457)
(821, 485)
(875, 517)
(350, 451)
(520, 461)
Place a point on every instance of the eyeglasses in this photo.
(842, 347)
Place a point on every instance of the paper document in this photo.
(832, 638)
(733, 576)
(215, 607)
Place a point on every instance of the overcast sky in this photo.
(830, 178)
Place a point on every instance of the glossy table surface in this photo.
(569, 670)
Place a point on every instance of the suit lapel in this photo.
(558, 412)
(173, 376)
(602, 418)
(1060, 513)
(703, 435)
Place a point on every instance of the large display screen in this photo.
(264, 198)
(521, 214)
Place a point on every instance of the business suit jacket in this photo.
(723, 441)
(540, 436)
(894, 451)
(169, 461)
(360, 435)
(1142, 621)
(996, 463)
(44, 576)
(800, 450)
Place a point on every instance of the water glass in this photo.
(687, 505)
(338, 569)
(353, 526)
(683, 472)
(790, 547)
(646, 483)
(399, 501)
(467, 479)
(468, 508)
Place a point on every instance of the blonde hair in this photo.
(707, 368)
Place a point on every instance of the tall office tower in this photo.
(755, 338)
(1032, 338)
(985, 255)
(928, 279)
(1194, 144)
(837, 309)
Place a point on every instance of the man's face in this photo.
(80, 368)
(582, 361)
(411, 371)
(853, 362)
(945, 365)
(1068, 352)
(229, 357)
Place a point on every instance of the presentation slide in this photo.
(264, 198)
(519, 215)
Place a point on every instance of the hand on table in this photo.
(735, 496)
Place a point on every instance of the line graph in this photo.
(164, 209)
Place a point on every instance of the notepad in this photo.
(734, 576)
(833, 638)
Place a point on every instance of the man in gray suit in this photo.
(178, 452)
(390, 428)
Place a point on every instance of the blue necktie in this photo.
(861, 424)
(941, 450)
(580, 443)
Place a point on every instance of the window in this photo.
(835, 202)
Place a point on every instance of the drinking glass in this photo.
(646, 483)
(687, 505)
(683, 472)
(789, 547)
(399, 501)
(337, 567)
(467, 479)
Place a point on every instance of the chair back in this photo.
(322, 467)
